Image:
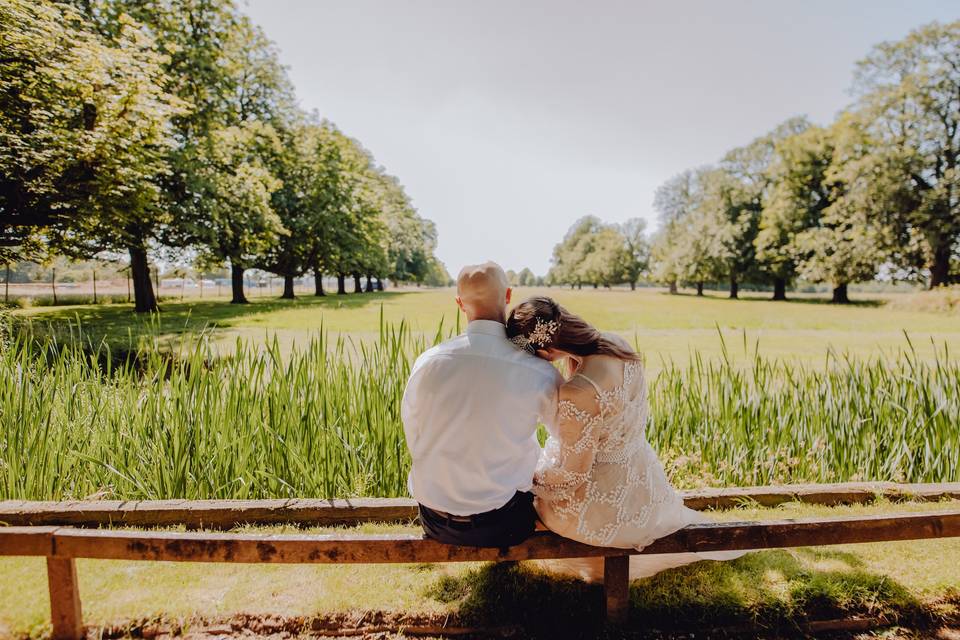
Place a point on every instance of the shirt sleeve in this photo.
(409, 405)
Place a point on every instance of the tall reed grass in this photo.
(79, 420)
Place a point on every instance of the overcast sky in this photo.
(508, 120)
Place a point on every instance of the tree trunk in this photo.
(341, 284)
(673, 287)
(379, 284)
(734, 288)
(145, 301)
(579, 286)
(633, 285)
(236, 281)
(594, 285)
(318, 283)
(780, 289)
(288, 288)
(700, 288)
(940, 268)
(840, 294)
(94, 286)
(6, 286)
(357, 287)
(369, 287)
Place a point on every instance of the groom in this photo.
(470, 413)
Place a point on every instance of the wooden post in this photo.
(64, 599)
(616, 588)
(6, 286)
(94, 286)
(53, 284)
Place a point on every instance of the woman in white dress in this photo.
(598, 480)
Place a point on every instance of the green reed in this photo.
(80, 419)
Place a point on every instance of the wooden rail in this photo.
(226, 514)
(62, 545)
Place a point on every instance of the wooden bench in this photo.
(50, 529)
(62, 545)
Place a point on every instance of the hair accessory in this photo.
(540, 337)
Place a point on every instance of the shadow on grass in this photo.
(773, 590)
(756, 297)
(116, 323)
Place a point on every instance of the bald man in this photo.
(470, 414)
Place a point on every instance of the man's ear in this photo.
(460, 304)
(509, 294)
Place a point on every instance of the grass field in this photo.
(915, 582)
(290, 412)
(664, 326)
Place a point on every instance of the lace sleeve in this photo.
(565, 468)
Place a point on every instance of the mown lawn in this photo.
(914, 582)
(664, 326)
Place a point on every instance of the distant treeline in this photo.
(875, 192)
(135, 128)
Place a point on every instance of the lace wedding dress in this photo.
(600, 482)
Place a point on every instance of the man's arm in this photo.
(410, 403)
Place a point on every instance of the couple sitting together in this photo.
(470, 415)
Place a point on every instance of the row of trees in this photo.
(596, 253)
(129, 127)
(876, 190)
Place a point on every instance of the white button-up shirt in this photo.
(470, 414)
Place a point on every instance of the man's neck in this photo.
(501, 317)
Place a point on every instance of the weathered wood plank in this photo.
(65, 613)
(821, 494)
(26, 541)
(210, 514)
(224, 514)
(225, 547)
(616, 588)
(804, 532)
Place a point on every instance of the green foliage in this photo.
(83, 132)
(600, 254)
(324, 421)
(834, 204)
(909, 96)
(131, 126)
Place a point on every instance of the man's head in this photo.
(483, 292)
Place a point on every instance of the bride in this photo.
(598, 480)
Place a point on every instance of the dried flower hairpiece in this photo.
(540, 337)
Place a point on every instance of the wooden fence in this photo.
(62, 545)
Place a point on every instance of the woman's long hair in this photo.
(573, 334)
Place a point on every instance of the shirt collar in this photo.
(487, 328)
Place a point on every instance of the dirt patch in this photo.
(395, 626)
(355, 625)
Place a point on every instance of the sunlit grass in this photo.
(665, 327)
(80, 419)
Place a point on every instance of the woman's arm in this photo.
(568, 462)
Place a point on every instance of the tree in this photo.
(604, 257)
(690, 247)
(569, 255)
(836, 239)
(526, 278)
(909, 92)
(84, 119)
(636, 256)
(237, 185)
(735, 192)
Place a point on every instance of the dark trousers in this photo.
(504, 527)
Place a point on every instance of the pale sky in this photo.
(507, 120)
